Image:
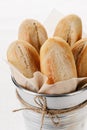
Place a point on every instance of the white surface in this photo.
(11, 15)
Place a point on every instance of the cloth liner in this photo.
(38, 83)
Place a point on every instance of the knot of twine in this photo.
(42, 103)
(42, 108)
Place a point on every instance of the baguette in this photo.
(70, 29)
(24, 57)
(80, 54)
(57, 61)
(33, 32)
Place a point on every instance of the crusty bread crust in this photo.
(24, 57)
(57, 61)
(69, 28)
(80, 54)
(33, 32)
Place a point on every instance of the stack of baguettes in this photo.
(61, 57)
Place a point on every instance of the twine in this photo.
(42, 108)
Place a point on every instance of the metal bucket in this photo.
(74, 120)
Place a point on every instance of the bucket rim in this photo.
(47, 95)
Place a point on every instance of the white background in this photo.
(12, 13)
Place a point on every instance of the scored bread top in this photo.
(24, 57)
(69, 28)
(56, 60)
(33, 32)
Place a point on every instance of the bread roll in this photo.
(24, 57)
(80, 54)
(57, 61)
(33, 32)
(70, 29)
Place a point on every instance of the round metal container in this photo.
(68, 121)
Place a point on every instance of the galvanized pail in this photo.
(71, 110)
